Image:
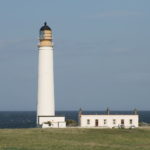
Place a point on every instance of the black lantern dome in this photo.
(45, 27)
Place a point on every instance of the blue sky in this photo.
(101, 54)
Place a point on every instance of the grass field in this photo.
(74, 139)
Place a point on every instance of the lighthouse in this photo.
(45, 97)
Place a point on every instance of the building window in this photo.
(88, 121)
(105, 121)
(114, 121)
(131, 121)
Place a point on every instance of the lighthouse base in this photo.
(51, 122)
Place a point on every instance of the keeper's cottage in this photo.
(109, 120)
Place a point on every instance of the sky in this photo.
(101, 53)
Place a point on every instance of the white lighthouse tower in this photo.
(45, 103)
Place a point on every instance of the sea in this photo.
(27, 119)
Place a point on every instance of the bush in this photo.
(71, 123)
(48, 122)
(143, 124)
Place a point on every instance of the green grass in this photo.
(74, 139)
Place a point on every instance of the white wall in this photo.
(55, 125)
(56, 122)
(51, 119)
(109, 120)
(45, 102)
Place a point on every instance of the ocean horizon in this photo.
(27, 119)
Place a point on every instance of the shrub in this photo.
(71, 123)
(48, 122)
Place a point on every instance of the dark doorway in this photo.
(122, 121)
(96, 123)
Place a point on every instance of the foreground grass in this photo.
(74, 139)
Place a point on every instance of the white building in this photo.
(52, 121)
(46, 102)
(109, 120)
